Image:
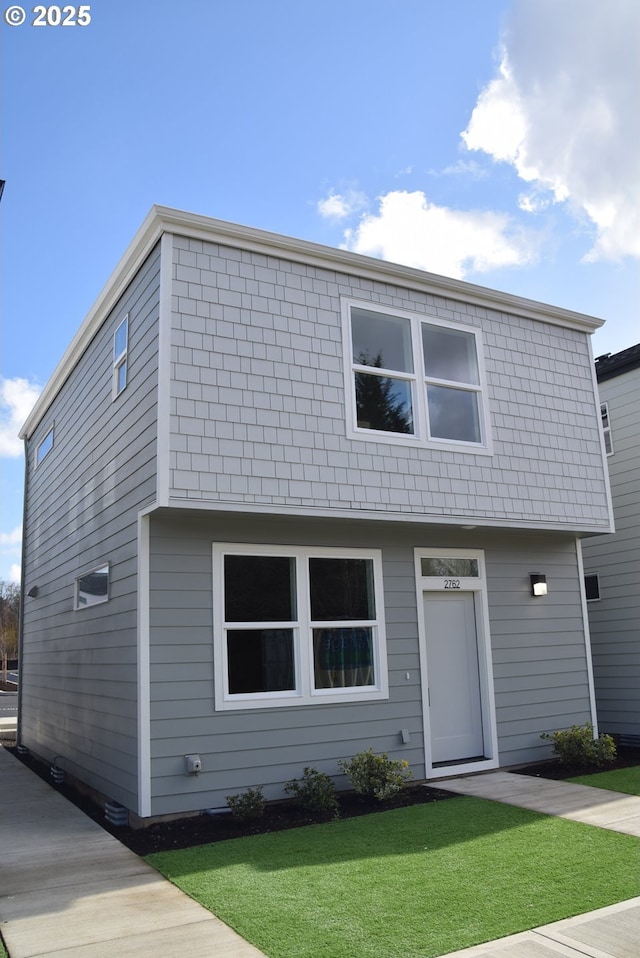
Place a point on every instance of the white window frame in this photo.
(418, 381)
(304, 693)
(81, 606)
(40, 455)
(606, 430)
(121, 359)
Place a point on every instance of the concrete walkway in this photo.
(581, 803)
(69, 889)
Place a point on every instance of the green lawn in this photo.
(618, 780)
(417, 881)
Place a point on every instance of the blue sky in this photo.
(494, 141)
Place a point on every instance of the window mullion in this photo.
(304, 656)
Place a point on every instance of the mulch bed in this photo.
(203, 829)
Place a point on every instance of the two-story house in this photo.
(284, 502)
(612, 563)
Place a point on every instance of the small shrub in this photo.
(376, 776)
(247, 805)
(577, 746)
(314, 791)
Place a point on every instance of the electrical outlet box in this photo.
(193, 764)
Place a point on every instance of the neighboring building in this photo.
(612, 563)
(284, 503)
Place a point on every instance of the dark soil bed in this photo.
(202, 829)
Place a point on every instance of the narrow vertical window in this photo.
(592, 586)
(120, 354)
(44, 448)
(606, 428)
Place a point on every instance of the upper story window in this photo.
(606, 428)
(120, 356)
(45, 446)
(297, 625)
(414, 379)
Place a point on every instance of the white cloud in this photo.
(409, 229)
(17, 398)
(11, 539)
(10, 547)
(563, 111)
(338, 206)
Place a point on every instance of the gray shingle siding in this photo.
(258, 412)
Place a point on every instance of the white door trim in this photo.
(477, 585)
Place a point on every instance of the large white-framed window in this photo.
(92, 587)
(606, 428)
(297, 625)
(45, 446)
(120, 356)
(414, 379)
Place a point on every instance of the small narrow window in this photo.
(92, 587)
(120, 355)
(606, 428)
(592, 586)
(440, 566)
(44, 448)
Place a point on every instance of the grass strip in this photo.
(625, 780)
(418, 881)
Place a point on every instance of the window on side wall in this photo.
(606, 428)
(92, 587)
(45, 446)
(120, 356)
(592, 586)
(414, 379)
(296, 626)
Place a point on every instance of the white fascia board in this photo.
(162, 219)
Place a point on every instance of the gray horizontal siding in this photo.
(79, 668)
(541, 677)
(614, 619)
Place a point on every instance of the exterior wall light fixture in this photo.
(538, 584)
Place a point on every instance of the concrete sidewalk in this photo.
(69, 889)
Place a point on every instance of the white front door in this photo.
(454, 699)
